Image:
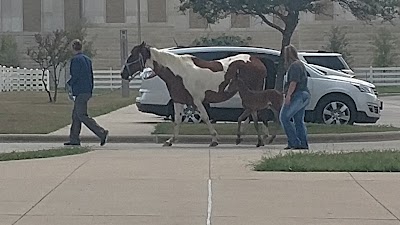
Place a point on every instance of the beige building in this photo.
(162, 25)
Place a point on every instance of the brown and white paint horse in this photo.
(193, 81)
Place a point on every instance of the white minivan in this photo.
(334, 99)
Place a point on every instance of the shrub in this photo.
(384, 43)
(8, 51)
(223, 40)
(338, 42)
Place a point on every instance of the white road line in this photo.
(209, 205)
(209, 209)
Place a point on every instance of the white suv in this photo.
(334, 99)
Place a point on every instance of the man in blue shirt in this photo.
(81, 83)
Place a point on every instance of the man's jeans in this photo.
(295, 130)
(79, 116)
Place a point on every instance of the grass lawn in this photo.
(31, 113)
(366, 161)
(388, 89)
(57, 152)
(231, 128)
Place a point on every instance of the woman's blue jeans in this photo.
(292, 120)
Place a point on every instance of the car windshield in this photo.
(334, 62)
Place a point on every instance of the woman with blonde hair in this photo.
(297, 97)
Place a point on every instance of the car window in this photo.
(332, 62)
(211, 55)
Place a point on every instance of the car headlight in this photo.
(364, 88)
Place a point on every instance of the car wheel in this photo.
(190, 115)
(336, 109)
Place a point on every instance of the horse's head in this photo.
(135, 63)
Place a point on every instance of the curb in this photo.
(203, 139)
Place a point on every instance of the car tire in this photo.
(190, 115)
(336, 109)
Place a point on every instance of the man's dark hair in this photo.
(77, 45)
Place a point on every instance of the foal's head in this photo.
(135, 63)
(236, 83)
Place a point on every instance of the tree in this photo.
(384, 43)
(288, 12)
(53, 52)
(338, 42)
(50, 53)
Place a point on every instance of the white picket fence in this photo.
(17, 79)
(380, 76)
(111, 79)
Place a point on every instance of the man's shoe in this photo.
(72, 144)
(104, 139)
(301, 148)
(287, 147)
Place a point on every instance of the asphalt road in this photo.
(391, 111)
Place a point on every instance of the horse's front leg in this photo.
(276, 125)
(244, 115)
(260, 141)
(206, 119)
(178, 110)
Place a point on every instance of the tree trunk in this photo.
(55, 84)
(45, 86)
(291, 24)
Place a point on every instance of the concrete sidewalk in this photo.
(127, 121)
(127, 183)
(188, 184)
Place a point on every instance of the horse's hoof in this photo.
(167, 144)
(271, 139)
(213, 144)
(238, 140)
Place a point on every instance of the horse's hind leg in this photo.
(178, 109)
(244, 115)
(265, 130)
(260, 141)
(206, 119)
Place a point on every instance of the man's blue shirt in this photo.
(81, 74)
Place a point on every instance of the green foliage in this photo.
(223, 40)
(8, 51)
(362, 161)
(79, 31)
(384, 45)
(338, 42)
(56, 152)
(230, 128)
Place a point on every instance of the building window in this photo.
(32, 15)
(197, 21)
(327, 13)
(73, 13)
(115, 11)
(240, 21)
(157, 11)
